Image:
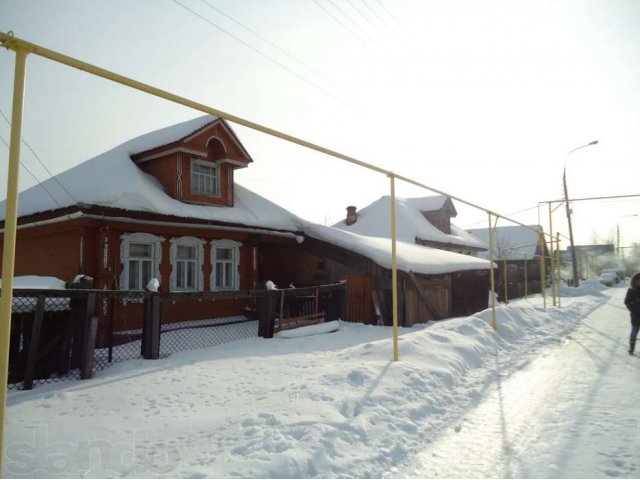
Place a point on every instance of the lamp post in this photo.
(566, 201)
(618, 230)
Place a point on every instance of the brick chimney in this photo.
(352, 216)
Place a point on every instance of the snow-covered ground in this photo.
(552, 393)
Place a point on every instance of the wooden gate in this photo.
(360, 290)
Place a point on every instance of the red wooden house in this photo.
(165, 206)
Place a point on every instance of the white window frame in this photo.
(156, 255)
(198, 244)
(216, 179)
(235, 269)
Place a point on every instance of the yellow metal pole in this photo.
(492, 280)
(505, 279)
(552, 260)
(543, 274)
(9, 248)
(558, 263)
(526, 277)
(394, 269)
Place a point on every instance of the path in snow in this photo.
(572, 412)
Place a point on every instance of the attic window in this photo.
(205, 178)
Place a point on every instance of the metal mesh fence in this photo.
(61, 335)
(192, 335)
(205, 319)
(120, 327)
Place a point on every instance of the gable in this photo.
(196, 143)
(513, 242)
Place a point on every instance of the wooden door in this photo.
(360, 306)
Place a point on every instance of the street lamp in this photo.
(566, 201)
(618, 229)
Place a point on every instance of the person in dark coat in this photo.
(632, 301)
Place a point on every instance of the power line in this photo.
(357, 9)
(348, 17)
(266, 40)
(33, 176)
(378, 16)
(387, 11)
(344, 25)
(53, 177)
(528, 209)
(251, 47)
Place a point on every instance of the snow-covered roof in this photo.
(113, 180)
(410, 257)
(513, 242)
(427, 204)
(374, 221)
(164, 136)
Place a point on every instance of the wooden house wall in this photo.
(50, 250)
(469, 292)
(281, 265)
(437, 289)
(517, 268)
(165, 170)
(92, 248)
(129, 316)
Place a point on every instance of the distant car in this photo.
(616, 274)
(608, 278)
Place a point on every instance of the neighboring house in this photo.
(423, 221)
(165, 205)
(432, 284)
(517, 247)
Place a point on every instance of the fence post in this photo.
(151, 328)
(266, 312)
(80, 331)
(34, 347)
(88, 347)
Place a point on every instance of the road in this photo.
(573, 412)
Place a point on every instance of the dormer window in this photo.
(205, 178)
(197, 168)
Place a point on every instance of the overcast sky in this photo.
(482, 100)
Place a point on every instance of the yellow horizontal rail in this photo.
(13, 43)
